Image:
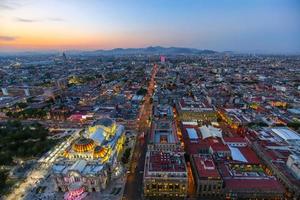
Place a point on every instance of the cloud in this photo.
(5, 7)
(28, 20)
(7, 38)
(19, 19)
(9, 5)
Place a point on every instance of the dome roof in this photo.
(83, 145)
(107, 122)
(100, 152)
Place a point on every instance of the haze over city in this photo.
(269, 26)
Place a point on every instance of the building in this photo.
(4, 91)
(247, 181)
(210, 131)
(165, 171)
(163, 111)
(189, 110)
(234, 117)
(293, 164)
(91, 161)
(165, 175)
(203, 140)
(274, 147)
(235, 141)
(162, 59)
(163, 136)
(286, 135)
(226, 167)
(208, 181)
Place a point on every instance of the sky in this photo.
(262, 26)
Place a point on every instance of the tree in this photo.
(295, 125)
(3, 178)
(21, 105)
(141, 91)
(126, 155)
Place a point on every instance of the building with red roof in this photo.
(208, 180)
(165, 175)
(220, 149)
(165, 171)
(224, 166)
(244, 181)
(235, 141)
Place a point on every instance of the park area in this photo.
(20, 146)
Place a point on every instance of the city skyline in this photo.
(227, 25)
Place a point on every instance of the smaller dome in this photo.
(100, 152)
(83, 145)
(107, 122)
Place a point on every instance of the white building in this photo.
(293, 164)
(91, 161)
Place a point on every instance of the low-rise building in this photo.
(244, 181)
(165, 175)
(163, 136)
(208, 181)
(163, 111)
(189, 109)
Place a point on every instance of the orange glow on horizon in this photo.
(38, 36)
(79, 42)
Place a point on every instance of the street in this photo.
(134, 183)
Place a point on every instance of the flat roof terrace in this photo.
(164, 165)
(205, 167)
(245, 177)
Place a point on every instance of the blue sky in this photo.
(270, 26)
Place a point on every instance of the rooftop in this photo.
(210, 131)
(286, 133)
(163, 131)
(166, 162)
(241, 177)
(237, 155)
(205, 167)
(192, 133)
(254, 184)
(82, 166)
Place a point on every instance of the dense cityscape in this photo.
(207, 125)
(149, 100)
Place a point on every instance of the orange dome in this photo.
(100, 152)
(83, 145)
(66, 153)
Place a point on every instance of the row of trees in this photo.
(3, 179)
(126, 154)
(28, 113)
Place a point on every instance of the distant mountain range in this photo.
(152, 50)
(157, 50)
(148, 50)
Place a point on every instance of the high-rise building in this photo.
(4, 91)
(162, 59)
